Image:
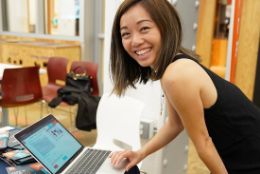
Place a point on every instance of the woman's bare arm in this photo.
(167, 133)
(183, 90)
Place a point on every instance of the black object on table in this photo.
(133, 170)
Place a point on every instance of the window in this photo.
(20, 16)
(63, 17)
(58, 17)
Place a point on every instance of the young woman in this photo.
(221, 121)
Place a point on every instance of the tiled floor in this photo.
(195, 166)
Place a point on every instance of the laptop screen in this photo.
(50, 143)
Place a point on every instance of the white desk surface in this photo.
(4, 66)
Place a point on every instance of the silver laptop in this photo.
(59, 151)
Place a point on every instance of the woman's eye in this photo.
(124, 35)
(144, 29)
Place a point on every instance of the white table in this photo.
(3, 66)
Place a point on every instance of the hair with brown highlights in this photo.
(125, 70)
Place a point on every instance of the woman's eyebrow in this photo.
(123, 27)
(144, 20)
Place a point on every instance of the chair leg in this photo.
(42, 103)
(70, 113)
(4, 117)
(48, 109)
(25, 115)
(16, 112)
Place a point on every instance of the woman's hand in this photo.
(132, 158)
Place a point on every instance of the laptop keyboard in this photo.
(89, 162)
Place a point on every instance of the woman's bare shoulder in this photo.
(181, 72)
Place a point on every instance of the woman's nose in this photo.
(137, 40)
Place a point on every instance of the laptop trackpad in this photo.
(107, 167)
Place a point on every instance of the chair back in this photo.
(57, 69)
(20, 86)
(118, 123)
(91, 69)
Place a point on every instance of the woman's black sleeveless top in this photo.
(233, 123)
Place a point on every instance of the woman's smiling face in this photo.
(141, 37)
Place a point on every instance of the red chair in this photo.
(20, 86)
(91, 69)
(56, 71)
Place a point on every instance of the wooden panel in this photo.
(205, 31)
(50, 9)
(248, 46)
(30, 52)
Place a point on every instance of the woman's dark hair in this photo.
(125, 70)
